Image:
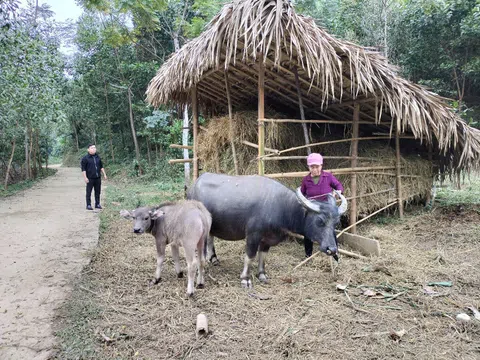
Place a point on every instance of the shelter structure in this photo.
(258, 53)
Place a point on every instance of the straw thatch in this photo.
(332, 74)
(215, 154)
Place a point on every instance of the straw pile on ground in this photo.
(215, 154)
(297, 316)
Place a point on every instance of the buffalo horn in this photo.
(343, 206)
(310, 205)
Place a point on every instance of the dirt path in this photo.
(45, 233)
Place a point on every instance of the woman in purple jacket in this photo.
(316, 186)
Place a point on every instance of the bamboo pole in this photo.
(195, 132)
(333, 171)
(365, 218)
(371, 194)
(399, 171)
(353, 177)
(248, 143)
(430, 159)
(302, 112)
(340, 141)
(179, 161)
(325, 158)
(261, 115)
(321, 121)
(177, 146)
(230, 122)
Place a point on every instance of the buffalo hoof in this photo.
(200, 286)
(246, 283)
(190, 295)
(153, 282)
(214, 261)
(180, 275)
(263, 278)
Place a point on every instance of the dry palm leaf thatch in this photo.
(331, 71)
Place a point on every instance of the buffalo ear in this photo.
(126, 214)
(156, 214)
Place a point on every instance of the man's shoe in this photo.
(89, 207)
(98, 206)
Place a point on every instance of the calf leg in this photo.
(160, 258)
(201, 269)
(176, 260)
(253, 241)
(262, 253)
(191, 269)
(211, 255)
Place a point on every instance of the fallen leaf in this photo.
(397, 335)
(440, 283)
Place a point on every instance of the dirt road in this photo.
(45, 235)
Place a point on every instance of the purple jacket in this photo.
(325, 185)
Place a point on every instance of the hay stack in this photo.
(216, 156)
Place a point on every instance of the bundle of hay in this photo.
(215, 154)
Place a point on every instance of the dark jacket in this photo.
(92, 165)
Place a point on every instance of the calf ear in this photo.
(126, 214)
(156, 214)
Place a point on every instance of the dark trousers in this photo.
(94, 184)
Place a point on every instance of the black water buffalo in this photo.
(263, 210)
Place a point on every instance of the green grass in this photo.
(469, 194)
(25, 184)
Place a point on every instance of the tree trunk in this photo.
(186, 166)
(14, 141)
(27, 163)
(148, 152)
(108, 118)
(134, 134)
(36, 170)
(32, 173)
(76, 136)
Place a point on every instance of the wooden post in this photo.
(353, 178)
(430, 159)
(230, 122)
(302, 112)
(261, 115)
(399, 171)
(195, 132)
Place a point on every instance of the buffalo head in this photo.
(321, 219)
(143, 218)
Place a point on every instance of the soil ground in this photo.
(45, 238)
(388, 309)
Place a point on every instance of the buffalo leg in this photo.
(201, 268)
(262, 253)
(158, 271)
(211, 255)
(176, 260)
(191, 269)
(253, 241)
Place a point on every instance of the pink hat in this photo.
(314, 159)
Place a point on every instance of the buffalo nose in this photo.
(332, 251)
(136, 231)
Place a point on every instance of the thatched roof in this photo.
(332, 74)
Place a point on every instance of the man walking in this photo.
(91, 167)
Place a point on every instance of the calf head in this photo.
(143, 217)
(320, 221)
